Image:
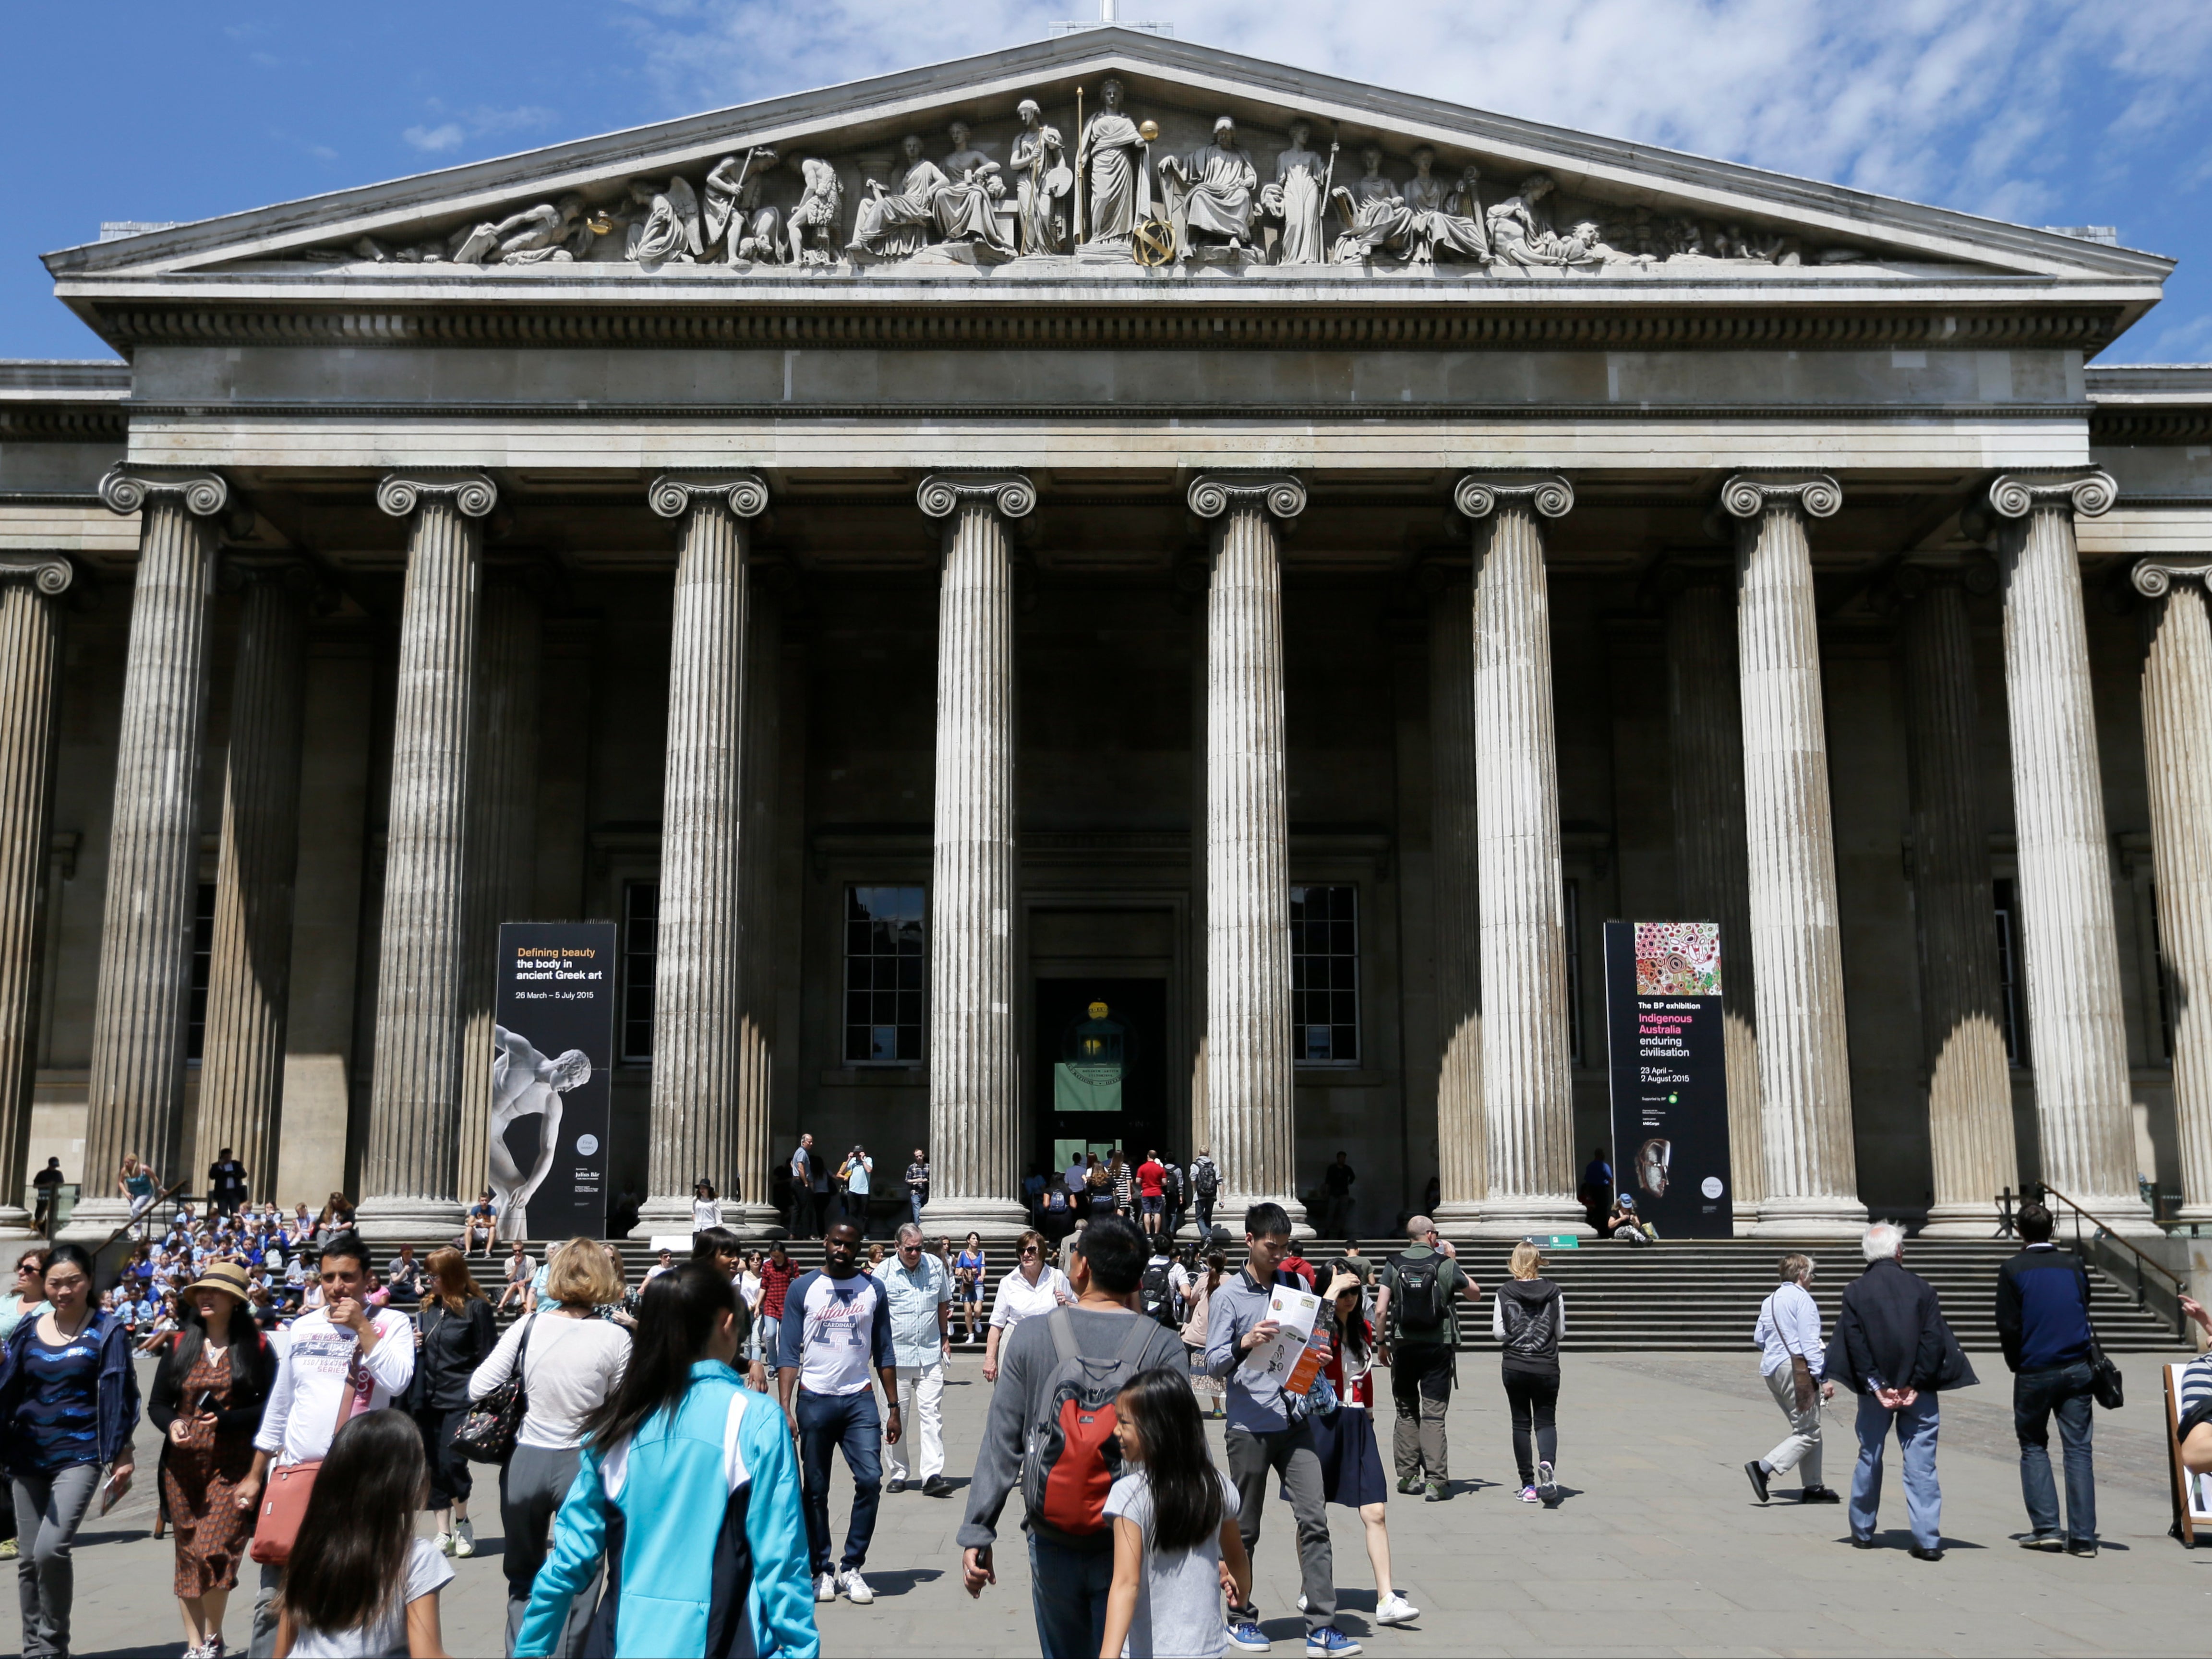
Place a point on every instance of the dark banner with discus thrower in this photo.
(552, 1051)
(1670, 1123)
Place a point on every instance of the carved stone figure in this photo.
(812, 227)
(550, 230)
(1450, 221)
(1210, 195)
(735, 218)
(1111, 159)
(1044, 182)
(1376, 215)
(1296, 195)
(968, 205)
(669, 232)
(895, 224)
(1521, 232)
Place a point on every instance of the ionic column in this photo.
(1969, 1134)
(2177, 706)
(758, 894)
(411, 1166)
(135, 1094)
(31, 586)
(1251, 1108)
(1462, 1171)
(1804, 1065)
(249, 974)
(1526, 1092)
(974, 1141)
(1712, 870)
(699, 938)
(503, 790)
(2076, 1031)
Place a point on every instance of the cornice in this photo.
(34, 423)
(672, 494)
(126, 485)
(1546, 495)
(2149, 426)
(1747, 495)
(400, 494)
(1012, 494)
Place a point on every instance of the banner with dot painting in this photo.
(1668, 1059)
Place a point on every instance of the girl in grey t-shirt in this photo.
(1174, 1516)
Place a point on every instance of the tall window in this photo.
(884, 967)
(1325, 976)
(1573, 911)
(640, 925)
(203, 969)
(2015, 1023)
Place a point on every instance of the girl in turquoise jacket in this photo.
(681, 1440)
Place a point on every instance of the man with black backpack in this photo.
(1414, 1309)
(1156, 1291)
(1171, 1188)
(1051, 1428)
(1205, 1187)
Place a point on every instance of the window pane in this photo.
(1325, 976)
(883, 975)
(640, 938)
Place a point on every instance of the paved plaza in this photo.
(1657, 1547)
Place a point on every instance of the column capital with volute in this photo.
(49, 573)
(2154, 578)
(1212, 494)
(673, 494)
(2090, 491)
(1546, 495)
(1747, 495)
(125, 486)
(1012, 494)
(473, 493)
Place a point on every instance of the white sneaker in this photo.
(444, 1541)
(825, 1588)
(1395, 1609)
(1301, 1600)
(464, 1539)
(855, 1587)
(1546, 1482)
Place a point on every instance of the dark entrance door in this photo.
(1100, 1081)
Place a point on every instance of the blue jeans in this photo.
(1916, 1433)
(914, 1202)
(2035, 1395)
(1067, 1590)
(846, 1422)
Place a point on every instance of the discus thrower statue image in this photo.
(525, 1083)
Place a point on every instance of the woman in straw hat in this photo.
(206, 1399)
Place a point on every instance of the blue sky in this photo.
(2032, 109)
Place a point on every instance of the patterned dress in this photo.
(199, 1484)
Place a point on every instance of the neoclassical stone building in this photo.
(1112, 522)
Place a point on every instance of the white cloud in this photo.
(443, 137)
(527, 118)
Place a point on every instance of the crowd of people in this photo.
(664, 1452)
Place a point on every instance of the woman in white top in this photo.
(706, 1209)
(1034, 1287)
(572, 1364)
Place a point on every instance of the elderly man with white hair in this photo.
(1893, 1349)
(918, 1288)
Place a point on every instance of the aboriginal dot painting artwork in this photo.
(1678, 958)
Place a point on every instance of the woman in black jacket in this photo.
(209, 1390)
(455, 1333)
(1529, 1317)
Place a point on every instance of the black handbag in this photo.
(486, 1433)
(2105, 1384)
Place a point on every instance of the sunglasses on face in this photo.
(1029, 1250)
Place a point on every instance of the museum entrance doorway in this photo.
(1100, 1080)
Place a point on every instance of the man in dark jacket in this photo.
(1891, 1348)
(2043, 1322)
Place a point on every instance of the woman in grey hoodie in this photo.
(1527, 1316)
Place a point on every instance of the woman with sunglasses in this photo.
(27, 1300)
(1035, 1287)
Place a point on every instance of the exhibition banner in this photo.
(1670, 1125)
(552, 1053)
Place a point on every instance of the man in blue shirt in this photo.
(920, 1291)
(2043, 1322)
(837, 1329)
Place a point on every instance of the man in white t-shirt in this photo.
(344, 1356)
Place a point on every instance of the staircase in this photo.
(1699, 1295)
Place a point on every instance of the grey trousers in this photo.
(1801, 1448)
(530, 1488)
(262, 1644)
(1421, 1393)
(1290, 1455)
(48, 1509)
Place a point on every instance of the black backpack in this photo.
(1171, 1181)
(1420, 1303)
(1156, 1294)
(1206, 1179)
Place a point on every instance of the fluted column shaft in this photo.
(2076, 1031)
(1251, 1106)
(1969, 1133)
(1804, 1063)
(30, 688)
(1712, 870)
(699, 937)
(1463, 1173)
(1527, 1091)
(502, 814)
(249, 974)
(973, 1133)
(410, 1169)
(135, 1096)
(763, 767)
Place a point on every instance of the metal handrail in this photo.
(2106, 1235)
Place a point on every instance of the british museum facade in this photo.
(1111, 522)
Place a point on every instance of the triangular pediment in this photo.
(696, 199)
